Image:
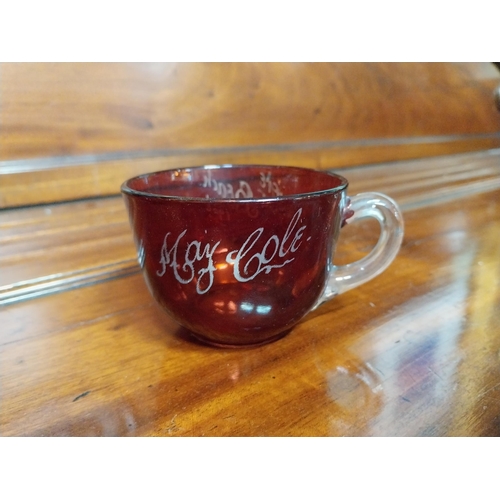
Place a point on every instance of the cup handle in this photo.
(386, 211)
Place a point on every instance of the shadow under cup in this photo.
(237, 254)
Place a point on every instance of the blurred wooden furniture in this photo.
(72, 131)
(85, 351)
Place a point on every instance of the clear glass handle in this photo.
(386, 211)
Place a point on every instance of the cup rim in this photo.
(126, 189)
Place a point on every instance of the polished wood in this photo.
(66, 109)
(73, 131)
(48, 248)
(105, 177)
(414, 352)
(85, 351)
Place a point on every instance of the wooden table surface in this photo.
(84, 350)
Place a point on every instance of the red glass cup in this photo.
(239, 254)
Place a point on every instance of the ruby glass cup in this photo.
(239, 254)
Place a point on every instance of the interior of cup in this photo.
(234, 182)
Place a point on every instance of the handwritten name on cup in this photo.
(266, 187)
(257, 255)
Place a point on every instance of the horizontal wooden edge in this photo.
(47, 285)
(473, 174)
(18, 166)
(49, 180)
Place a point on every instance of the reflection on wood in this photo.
(415, 351)
(57, 247)
(412, 352)
(480, 394)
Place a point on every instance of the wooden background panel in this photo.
(103, 178)
(75, 108)
(78, 130)
(50, 248)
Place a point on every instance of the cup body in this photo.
(236, 254)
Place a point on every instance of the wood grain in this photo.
(73, 131)
(103, 178)
(85, 351)
(56, 247)
(414, 352)
(67, 109)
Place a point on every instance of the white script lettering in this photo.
(225, 189)
(246, 269)
(255, 256)
(193, 253)
(269, 186)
